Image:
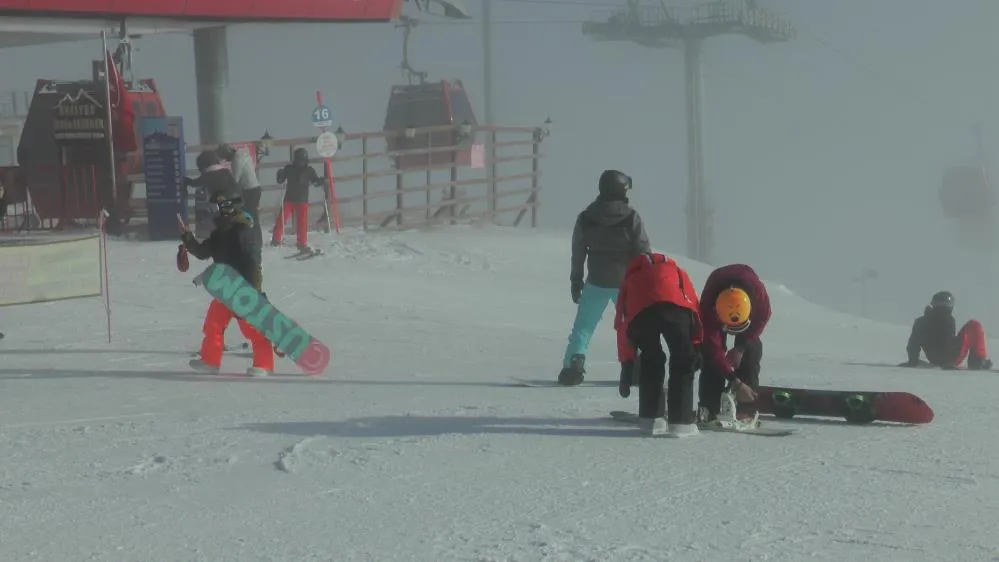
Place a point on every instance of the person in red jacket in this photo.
(734, 301)
(658, 301)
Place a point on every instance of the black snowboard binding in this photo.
(784, 405)
(573, 375)
(858, 409)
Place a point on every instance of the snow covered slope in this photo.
(415, 447)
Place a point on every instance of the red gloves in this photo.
(182, 262)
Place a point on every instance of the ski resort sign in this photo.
(43, 269)
(79, 117)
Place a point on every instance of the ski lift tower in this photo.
(664, 27)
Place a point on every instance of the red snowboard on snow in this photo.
(855, 406)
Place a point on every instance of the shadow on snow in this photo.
(426, 426)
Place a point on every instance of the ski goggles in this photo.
(222, 209)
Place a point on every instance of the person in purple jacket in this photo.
(734, 301)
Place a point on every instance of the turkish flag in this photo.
(121, 115)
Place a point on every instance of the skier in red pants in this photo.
(299, 175)
(232, 243)
(933, 334)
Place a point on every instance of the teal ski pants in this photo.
(590, 309)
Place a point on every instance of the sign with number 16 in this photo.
(321, 116)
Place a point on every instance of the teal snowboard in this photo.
(228, 286)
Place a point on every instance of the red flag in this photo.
(122, 117)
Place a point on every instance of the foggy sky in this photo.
(823, 156)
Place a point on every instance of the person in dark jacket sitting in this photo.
(608, 234)
(299, 176)
(933, 333)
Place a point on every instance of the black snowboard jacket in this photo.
(214, 181)
(935, 334)
(232, 243)
(299, 179)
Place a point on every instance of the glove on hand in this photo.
(624, 383)
(575, 290)
(734, 357)
(183, 264)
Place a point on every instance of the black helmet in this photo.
(300, 157)
(207, 159)
(943, 299)
(614, 184)
(224, 206)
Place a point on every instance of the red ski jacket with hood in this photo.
(650, 279)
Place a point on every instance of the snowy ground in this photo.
(415, 447)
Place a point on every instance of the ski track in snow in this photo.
(416, 445)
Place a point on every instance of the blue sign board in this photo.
(321, 117)
(164, 166)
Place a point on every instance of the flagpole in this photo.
(110, 127)
(104, 213)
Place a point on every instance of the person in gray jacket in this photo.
(607, 236)
(244, 170)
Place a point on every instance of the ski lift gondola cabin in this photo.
(41, 157)
(430, 104)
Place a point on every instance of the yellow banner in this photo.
(40, 270)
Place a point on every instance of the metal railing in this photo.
(379, 188)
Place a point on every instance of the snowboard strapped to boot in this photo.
(574, 373)
(728, 417)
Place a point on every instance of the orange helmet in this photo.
(733, 308)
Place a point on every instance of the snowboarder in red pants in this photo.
(933, 333)
(232, 243)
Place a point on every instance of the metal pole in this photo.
(696, 216)
(103, 214)
(113, 171)
(487, 68)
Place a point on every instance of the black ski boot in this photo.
(976, 363)
(573, 374)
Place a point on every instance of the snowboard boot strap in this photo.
(729, 418)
